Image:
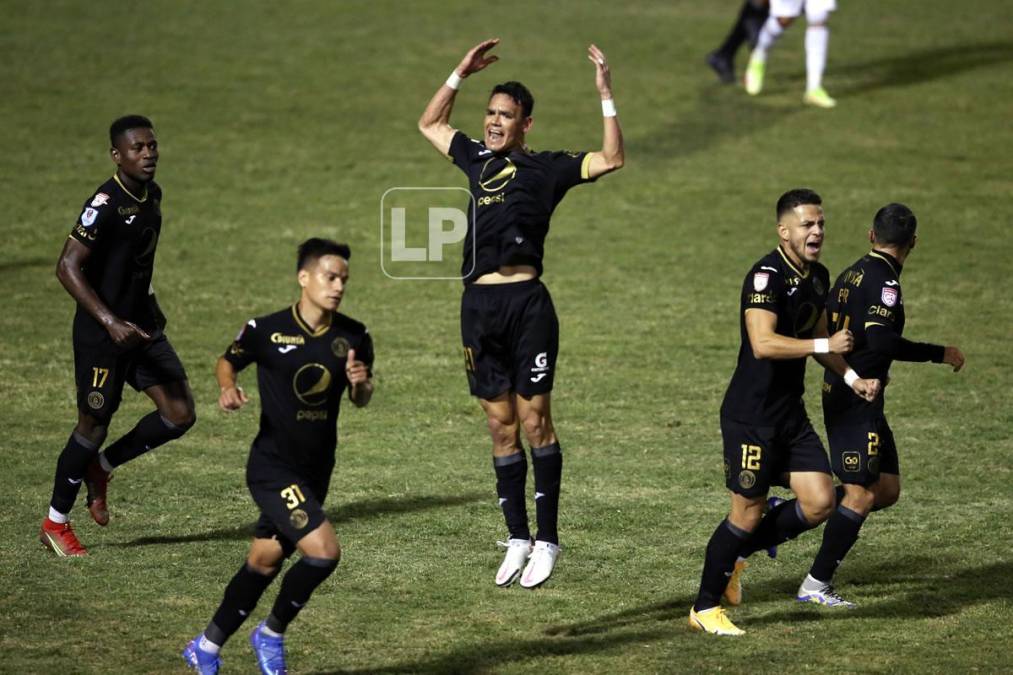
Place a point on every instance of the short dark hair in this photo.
(125, 124)
(315, 248)
(797, 197)
(894, 224)
(519, 93)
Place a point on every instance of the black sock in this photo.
(753, 17)
(296, 589)
(511, 475)
(839, 536)
(548, 462)
(783, 522)
(722, 550)
(151, 431)
(70, 468)
(241, 596)
(736, 36)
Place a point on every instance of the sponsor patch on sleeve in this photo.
(88, 217)
(100, 199)
(889, 296)
(760, 281)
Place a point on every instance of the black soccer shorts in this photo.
(511, 338)
(757, 456)
(100, 373)
(291, 505)
(861, 449)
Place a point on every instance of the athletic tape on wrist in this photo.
(608, 107)
(849, 377)
(455, 80)
(821, 346)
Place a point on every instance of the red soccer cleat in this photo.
(60, 539)
(97, 480)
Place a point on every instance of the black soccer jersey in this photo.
(766, 391)
(515, 194)
(301, 376)
(867, 300)
(122, 231)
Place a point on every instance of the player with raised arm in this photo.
(767, 436)
(508, 323)
(867, 300)
(306, 355)
(106, 265)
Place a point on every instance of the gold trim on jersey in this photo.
(875, 254)
(309, 331)
(139, 200)
(874, 323)
(585, 167)
(804, 275)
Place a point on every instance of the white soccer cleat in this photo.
(823, 595)
(540, 564)
(517, 552)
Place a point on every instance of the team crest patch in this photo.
(96, 400)
(889, 296)
(88, 217)
(747, 479)
(852, 461)
(299, 519)
(340, 347)
(760, 281)
(100, 199)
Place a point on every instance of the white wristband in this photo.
(849, 377)
(821, 346)
(608, 107)
(455, 80)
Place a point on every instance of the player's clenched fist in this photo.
(232, 398)
(842, 342)
(867, 389)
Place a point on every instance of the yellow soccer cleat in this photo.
(733, 591)
(714, 621)
(754, 76)
(819, 98)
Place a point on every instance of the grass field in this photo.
(279, 121)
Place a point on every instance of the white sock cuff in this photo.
(57, 517)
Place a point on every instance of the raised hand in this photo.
(602, 74)
(355, 371)
(476, 59)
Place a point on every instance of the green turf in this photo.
(278, 121)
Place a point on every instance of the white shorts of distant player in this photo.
(816, 11)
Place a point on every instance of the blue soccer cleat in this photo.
(199, 660)
(771, 503)
(270, 652)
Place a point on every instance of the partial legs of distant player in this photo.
(783, 14)
(746, 29)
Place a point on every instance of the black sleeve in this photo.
(364, 351)
(763, 290)
(464, 150)
(884, 340)
(243, 350)
(89, 226)
(570, 169)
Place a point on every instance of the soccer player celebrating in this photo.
(508, 323)
(782, 14)
(764, 425)
(106, 266)
(867, 299)
(306, 356)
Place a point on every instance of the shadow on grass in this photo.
(18, 265)
(368, 508)
(727, 113)
(487, 657)
(928, 590)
